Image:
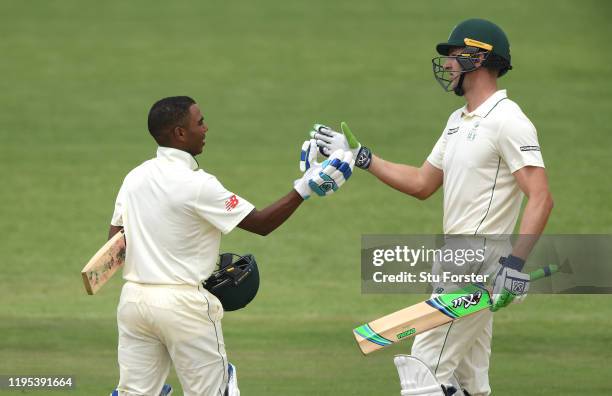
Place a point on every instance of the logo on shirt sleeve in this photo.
(231, 203)
(530, 148)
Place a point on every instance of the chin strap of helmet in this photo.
(459, 87)
(467, 65)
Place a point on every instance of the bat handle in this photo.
(543, 272)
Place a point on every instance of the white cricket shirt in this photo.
(478, 152)
(174, 214)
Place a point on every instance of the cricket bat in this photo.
(104, 263)
(429, 314)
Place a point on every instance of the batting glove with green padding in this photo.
(510, 283)
(507, 297)
(328, 141)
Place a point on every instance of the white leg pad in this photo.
(416, 378)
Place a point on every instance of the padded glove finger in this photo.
(321, 136)
(324, 130)
(325, 145)
(336, 166)
(308, 155)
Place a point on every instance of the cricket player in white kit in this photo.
(487, 158)
(173, 215)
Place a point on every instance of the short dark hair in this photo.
(168, 113)
(497, 63)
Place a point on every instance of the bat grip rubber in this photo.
(543, 272)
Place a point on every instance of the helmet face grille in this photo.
(449, 79)
(443, 76)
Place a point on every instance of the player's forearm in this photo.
(265, 221)
(404, 178)
(535, 216)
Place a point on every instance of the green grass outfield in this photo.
(78, 78)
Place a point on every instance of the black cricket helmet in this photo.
(484, 44)
(236, 282)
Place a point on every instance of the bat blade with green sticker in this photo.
(429, 314)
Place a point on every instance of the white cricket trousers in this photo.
(463, 348)
(164, 324)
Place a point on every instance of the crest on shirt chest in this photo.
(473, 132)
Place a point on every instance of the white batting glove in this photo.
(334, 173)
(328, 141)
(509, 284)
(310, 167)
